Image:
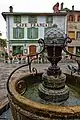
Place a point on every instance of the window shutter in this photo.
(32, 19)
(21, 33)
(14, 33)
(36, 33)
(35, 20)
(29, 33)
(49, 19)
(17, 19)
(46, 19)
(14, 19)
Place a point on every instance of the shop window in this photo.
(32, 33)
(71, 34)
(17, 50)
(17, 19)
(71, 18)
(78, 18)
(32, 19)
(18, 33)
(49, 19)
(78, 35)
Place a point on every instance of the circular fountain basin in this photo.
(28, 106)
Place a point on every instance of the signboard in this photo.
(34, 25)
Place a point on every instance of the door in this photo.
(32, 49)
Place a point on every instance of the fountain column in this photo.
(53, 87)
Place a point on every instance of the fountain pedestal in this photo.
(53, 88)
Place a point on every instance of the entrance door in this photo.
(32, 49)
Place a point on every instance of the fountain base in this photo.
(53, 88)
(53, 95)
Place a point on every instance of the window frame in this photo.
(71, 32)
(77, 35)
(32, 31)
(47, 19)
(34, 19)
(78, 18)
(17, 32)
(72, 17)
(17, 18)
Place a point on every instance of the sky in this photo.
(31, 6)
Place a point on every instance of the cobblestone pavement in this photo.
(6, 69)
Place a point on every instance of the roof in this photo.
(4, 14)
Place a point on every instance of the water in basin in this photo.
(32, 94)
(6, 115)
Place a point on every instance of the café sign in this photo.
(34, 25)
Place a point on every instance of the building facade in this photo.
(73, 18)
(24, 29)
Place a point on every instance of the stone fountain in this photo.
(51, 88)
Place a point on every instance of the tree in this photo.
(0, 34)
(2, 42)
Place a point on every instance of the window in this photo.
(78, 18)
(49, 19)
(70, 49)
(32, 19)
(18, 33)
(32, 33)
(78, 35)
(71, 18)
(71, 34)
(17, 50)
(17, 19)
(78, 50)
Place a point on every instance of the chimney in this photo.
(56, 8)
(10, 9)
(73, 8)
(62, 6)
